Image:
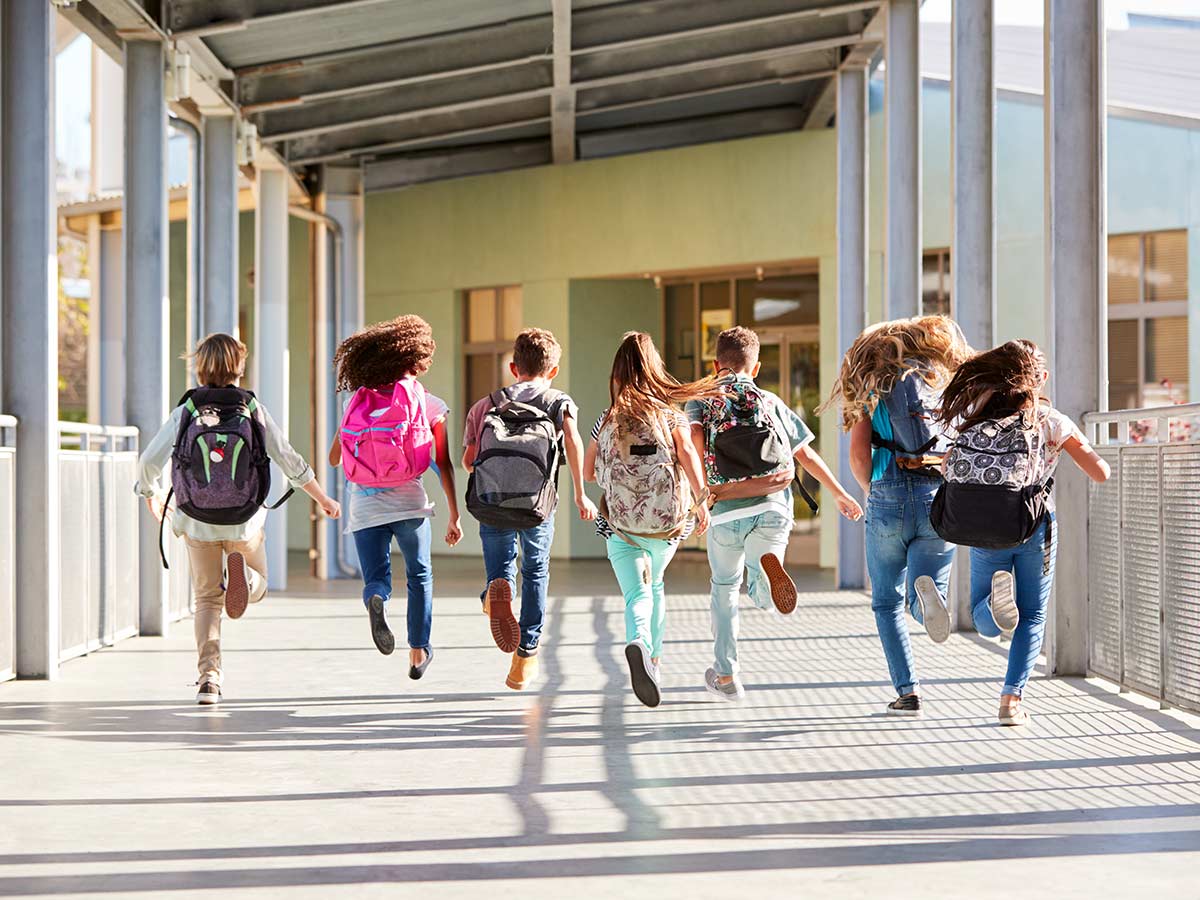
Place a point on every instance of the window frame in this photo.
(496, 349)
(945, 291)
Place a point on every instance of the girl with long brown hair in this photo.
(889, 390)
(642, 454)
(1009, 433)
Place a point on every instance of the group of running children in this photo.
(949, 446)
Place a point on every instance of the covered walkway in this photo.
(326, 767)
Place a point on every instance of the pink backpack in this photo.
(386, 437)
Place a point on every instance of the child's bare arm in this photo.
(574, 448)
(860, 454)
(335, 451)
(328, 505)
(815, 466)
(468, 459)
(589, 461)
(441, 445)
(693, 468)
(1094, 467)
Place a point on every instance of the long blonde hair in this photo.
(883, 354)
(640, 387)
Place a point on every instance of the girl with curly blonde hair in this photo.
(889, 391)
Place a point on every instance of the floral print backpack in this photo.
(645, 493)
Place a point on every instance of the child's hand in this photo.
(453, 532)
(156, 508)
(703, 517)
(848, 507)
(587, 509)
(331, 508)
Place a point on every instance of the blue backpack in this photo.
(919, 442)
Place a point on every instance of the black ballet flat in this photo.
(415, 672)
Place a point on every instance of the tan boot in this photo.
(497, 606)
(523, 672)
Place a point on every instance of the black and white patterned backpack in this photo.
(997, 489)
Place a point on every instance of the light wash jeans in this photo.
(1033, 594)
(733, 546)
(640, 572)
(902, 545)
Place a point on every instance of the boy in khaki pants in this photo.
(228, 561)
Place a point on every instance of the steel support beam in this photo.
(219, 226)
(28, 228)
(1076, 267)
(902, 125)
(146, 300)
(111, 328)
(562, 97)
(851, 285)
(271, 359)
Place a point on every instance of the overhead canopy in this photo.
(416, 90)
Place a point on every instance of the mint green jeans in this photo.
(640, 572)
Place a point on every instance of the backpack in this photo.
(742, 439)
(514, 482)
(220, 472)
(645, 493)
(996, 491)
(916, 437)
(385, 435)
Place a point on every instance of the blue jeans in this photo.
(414, 537)
(733, 546)
(1033, 594)
(640, 571)
(500, 559)
(902, 545)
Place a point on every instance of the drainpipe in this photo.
(325, 399)
(195, 289)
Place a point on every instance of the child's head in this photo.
(536, 354)
(220, 359)
(640, 383)
(996, 383)
(384, 353)
(885, 353)
(737, 352)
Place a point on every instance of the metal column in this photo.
(902, 125)
(973, 249)
(146, 301)
(219, 224)
(111, 327)
(1077, 286)
(271, 340)
(28, 228)
(851, 284)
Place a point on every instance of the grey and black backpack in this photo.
(514, 482)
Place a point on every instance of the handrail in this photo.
(8, 421)
(101, 430)
(1098, 424)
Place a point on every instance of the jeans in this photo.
(733, 546)
(1033, 593)
(902, 545)
(414, 537)
(640, 572)
(500, 559)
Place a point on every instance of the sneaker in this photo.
(1003, 602)
(1012, 713)
(209, 694)
(381, 634)
(418, 672)
(933, 609)
(522, 673)
(909, 705)
(783, 589)
(497, 606)
(731, 691)
(642, 674)
(237, 588)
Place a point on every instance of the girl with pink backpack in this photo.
(392, 431)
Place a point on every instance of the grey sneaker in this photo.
(642, 675)
(1003, 602)
(933, 609)
(732, 691)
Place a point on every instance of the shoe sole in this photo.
(783, 589)
(644, 686)
(237, 592)
(1003, 602)
(384, 640)
(208, 699)
(906, 713)
(1011, 723)
(933, 609)
(518, 686)
(505, 630)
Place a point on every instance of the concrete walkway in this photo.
(327, 773)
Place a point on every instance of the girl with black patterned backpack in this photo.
(642, 456)
(996, 498)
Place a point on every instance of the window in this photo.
(1147, 319)
(935, 283)
(493, 318)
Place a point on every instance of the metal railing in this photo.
(98, 528)
(8, 550)
(1144, 553)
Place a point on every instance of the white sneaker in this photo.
(1003, 603)
(933, 609)
(208, 694)
(732, 691)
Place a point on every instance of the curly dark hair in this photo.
(384, 353)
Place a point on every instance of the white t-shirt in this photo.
(1056, 429)
(371, 507)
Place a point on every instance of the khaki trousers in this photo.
(207, 562)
